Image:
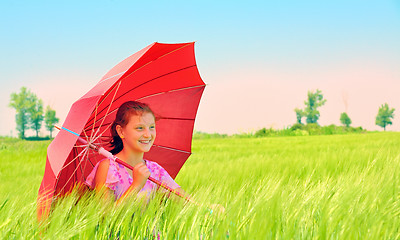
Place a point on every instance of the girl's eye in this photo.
(152, 127)
(139, 128)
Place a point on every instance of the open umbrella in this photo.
(165, 76)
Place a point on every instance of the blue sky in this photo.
(258, 58)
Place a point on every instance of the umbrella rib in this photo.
(97, 106)
(119, 83)
(90, 162)
(82, 171)
(76, 178)
(166, 74)
(80, 154)
(74, 173)
(174, 90)
(109, 125)
(104, 117)
(86, 136)
(173, 149)
(94, 121)
(87, 160)
(98, 137)
(84, 167)
(111, 77)
(184, 119)
(79, 146)
(185, 88)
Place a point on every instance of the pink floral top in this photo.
(119, 180)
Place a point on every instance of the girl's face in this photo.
(139, 134)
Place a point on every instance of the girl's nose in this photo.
(147, 133)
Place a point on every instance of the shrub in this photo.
(299, 132)
(295, 130)
(203, 135)
(297, 126)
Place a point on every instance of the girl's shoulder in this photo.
(153, 165)
(156, 168)
(161, 174)
(107, 163)
(107, 167)
(104, 162)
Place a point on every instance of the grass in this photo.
(312, 187)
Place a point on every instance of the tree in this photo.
(314, 101)
(385, 116)
(299, 115)
(35, 113)
(21, 103)
(50, 119)
(345, 119)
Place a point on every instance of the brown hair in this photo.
(122, 118)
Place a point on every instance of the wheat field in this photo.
(308, 187)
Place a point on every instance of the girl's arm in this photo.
(101, 176)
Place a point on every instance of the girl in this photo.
(133, 133)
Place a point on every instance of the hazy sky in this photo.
(258, 58)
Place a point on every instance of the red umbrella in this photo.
(166, 77)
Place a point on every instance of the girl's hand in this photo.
(140, 175)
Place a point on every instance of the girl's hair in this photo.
(122, 118)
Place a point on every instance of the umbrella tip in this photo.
(57, 127)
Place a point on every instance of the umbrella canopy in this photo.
(165, 76)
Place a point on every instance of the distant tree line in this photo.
(30, 114)
(316, 99)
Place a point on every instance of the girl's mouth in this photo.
(144, 141)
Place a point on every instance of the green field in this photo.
(313, 187)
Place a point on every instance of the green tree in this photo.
(345, 119)
(314, 101)
(299, 115)
(385, 116)
(35, 111)
(50, 119)
(21, 103)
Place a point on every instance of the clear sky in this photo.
(259, 58)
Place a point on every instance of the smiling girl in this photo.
(133, 133)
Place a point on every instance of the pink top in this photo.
(119, 180)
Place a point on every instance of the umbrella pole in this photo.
(110, 156)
